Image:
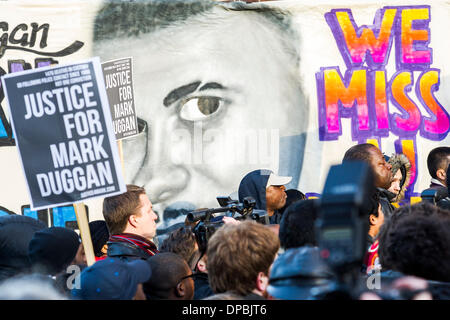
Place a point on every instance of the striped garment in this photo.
(138, 241)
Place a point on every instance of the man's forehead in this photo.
(375, 153)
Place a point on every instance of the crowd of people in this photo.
(229, 258)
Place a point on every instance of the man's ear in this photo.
(201, 266)
(104, 249)
(262, 282)
(373, 219)
(441, 174)
(132, 220)
(180, 290)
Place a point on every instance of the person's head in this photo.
(171, 278)
(420, 246)
(375, 215)
(267, 188)
(99, 235)
(437, 161)
(292, 195)
(297, 225)
(113, 279)
(401, 175)
(240, 257)
(16, 232)
(370, 154)
(182, 242)
(52, 250)
(130, 212)
(421, 209)
(210, 113)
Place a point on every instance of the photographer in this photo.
(204, 224)
(267, 189)
(182, 241)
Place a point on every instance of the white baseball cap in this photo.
(275, 180)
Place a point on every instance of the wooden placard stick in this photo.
(83, 225)
(120, 149)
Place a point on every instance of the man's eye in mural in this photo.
(196, 101)
(200, 108)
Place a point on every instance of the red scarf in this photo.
(138, 241)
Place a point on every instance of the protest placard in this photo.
(118, 76)
(63, 127)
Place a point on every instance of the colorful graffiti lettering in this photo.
(364, 93)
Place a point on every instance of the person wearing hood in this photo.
(267, 189)
(401, 173)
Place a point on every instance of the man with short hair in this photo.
(267, 189)
(437, 161)
(131, 223)
(171, 278)
(297, 225)
(381, 169)
(182, 241)
(240, 257)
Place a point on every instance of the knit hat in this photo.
(16, 231)
(52, 249)
(99, 235)
(401, 162)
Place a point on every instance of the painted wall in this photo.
(223, 89)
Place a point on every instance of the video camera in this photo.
(211, 219)
(342, 225)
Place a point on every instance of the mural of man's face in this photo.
(218, 93)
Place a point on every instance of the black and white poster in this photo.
(119, 88)
(63, 128)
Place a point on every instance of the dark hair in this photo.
(297, 225)
(117, 209)
(359, 152)
(182, 242)
(126, 19)
(373, 204)
(293, 195)
(99, 236)
(421, 209)
(437, 159)
(167, 270)
(420, 246)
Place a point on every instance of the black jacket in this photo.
(442, 192)
(201, 286)
(126, 251)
